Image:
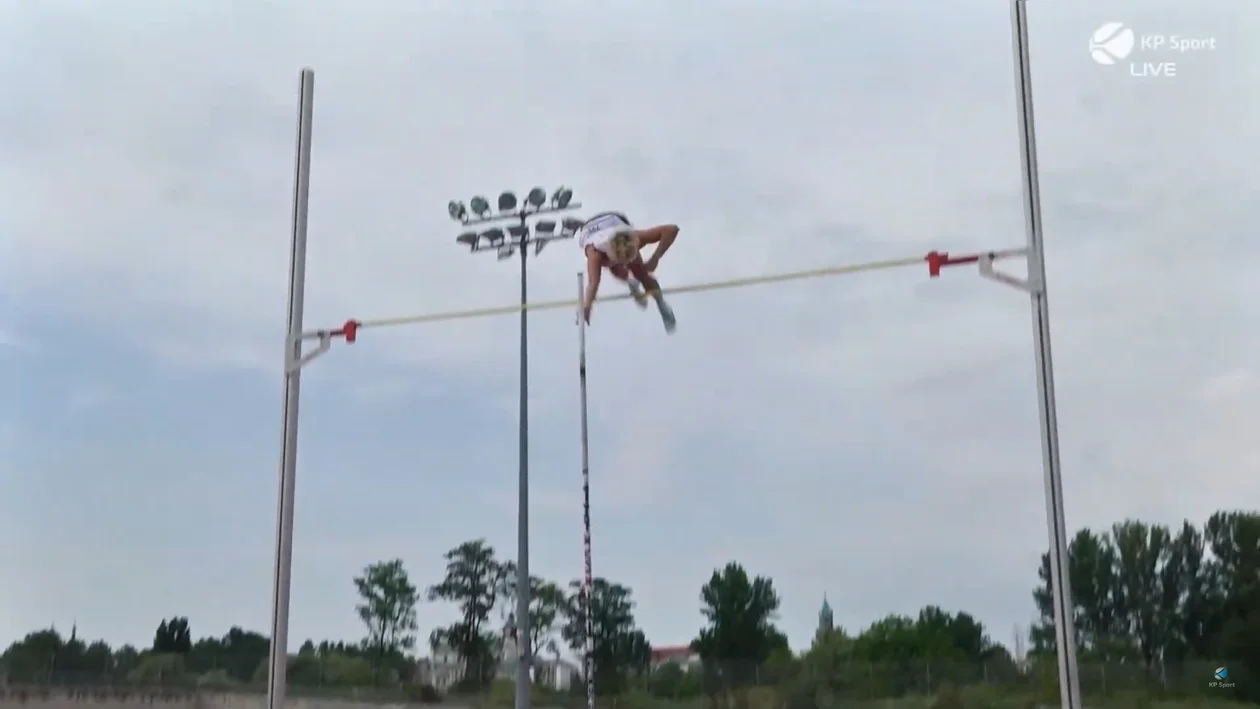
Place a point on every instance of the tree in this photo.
(473, 583)
(1188, 573)
(546, 601)
(34, 658)
(158, 668)
(740, 635)
(1092, 565)
(1234, 538)
(896, 651)
(671, 681)
(606, 617)
(388, 610)
(125, 659)
(173, 637)
(1146, 596)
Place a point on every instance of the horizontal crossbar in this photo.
(935, 260)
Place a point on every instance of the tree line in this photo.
(1160, 608)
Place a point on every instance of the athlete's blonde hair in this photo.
(623, 247)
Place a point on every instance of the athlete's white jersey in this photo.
(599, 230)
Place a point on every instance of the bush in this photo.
(948, 698)
(423, 693)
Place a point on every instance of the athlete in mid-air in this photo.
(611, 242)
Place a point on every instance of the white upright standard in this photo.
(1065, 633)
(277, 662)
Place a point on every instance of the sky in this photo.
(873, 438)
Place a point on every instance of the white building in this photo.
(441, 669)
(551, 672)
(681, 655)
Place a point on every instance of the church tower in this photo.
(826, 622)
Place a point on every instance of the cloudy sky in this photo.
(872, 437)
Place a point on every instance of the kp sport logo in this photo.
(1113, 43)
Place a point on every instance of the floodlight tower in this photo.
(518, 237)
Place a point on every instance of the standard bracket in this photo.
(295, 360)
(936, 260)
(1028, 285)
(323, 340)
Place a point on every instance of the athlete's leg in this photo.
(622, 273)
(639, 269)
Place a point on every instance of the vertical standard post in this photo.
(588, 662)
(1065, 633)
(278, 658)
(523, 634)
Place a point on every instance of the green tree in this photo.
(159, 668)
(1146, 596)
(388, 609)
(1101, 632)
(1234, 539)
(546, 602)
(125, 659)
(619, 649)
(672, 681)
(98, 658)
(897, 652)
(241, 651)
(1187, 574)
(34, 658)
(331, 670)
(1141, 550)
(173, 637)
(740, 635)
(473, 582)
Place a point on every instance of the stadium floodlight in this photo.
(494, 237)
(561, 198)
(511, 238)
(507, 201)
(519, 233)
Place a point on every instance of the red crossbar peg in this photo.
(350, 331)
(936, 259)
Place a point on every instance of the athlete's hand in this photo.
(586, 312)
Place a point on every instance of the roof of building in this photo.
(666, 652)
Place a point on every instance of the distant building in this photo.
(826, 622)
(555, 673)
(441, 669)
(551, 672)
(681, 655)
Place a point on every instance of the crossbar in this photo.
(934, 260)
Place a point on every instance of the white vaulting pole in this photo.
(1060, 580)
(587, 575)
(277, 661)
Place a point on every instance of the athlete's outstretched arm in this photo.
(594, 269)
(663, 236)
